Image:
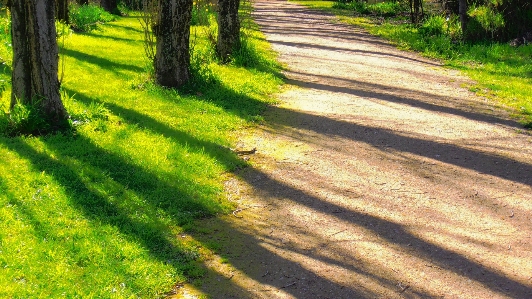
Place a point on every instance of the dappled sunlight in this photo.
(377, 178)
(408, 187)
(362, 244)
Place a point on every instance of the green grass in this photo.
(99, 213)
(502, 73)
(385, 9)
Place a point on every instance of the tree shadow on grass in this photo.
(102, 62)
(251, 247)
(97, 180)
(142, 121)
(126, 28)
(103, 186)
(111, 37)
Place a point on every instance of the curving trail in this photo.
(378, 176)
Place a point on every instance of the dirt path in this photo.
(378, 177)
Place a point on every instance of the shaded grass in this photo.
(503, 73)
(101, 213)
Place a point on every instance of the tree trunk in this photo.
(62, 10)
(35, 58)
(110, 6)
(228, 28)
(462, 12)
(172, 57)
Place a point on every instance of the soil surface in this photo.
(379, 176)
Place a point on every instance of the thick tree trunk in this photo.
(228, 28)
(62, 10)
(462, 12)
(172, 57)
(35, 57)
(110, 6)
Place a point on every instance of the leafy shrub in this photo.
(381, 9)
(62, 29)
(27, 120)
(433, 26)
(359, 7)
(201, 61)
(484, 22)
(202, 11)
(86, 18)
(385, 8)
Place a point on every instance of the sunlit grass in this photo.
(100, 213)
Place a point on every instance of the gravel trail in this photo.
(379, 176)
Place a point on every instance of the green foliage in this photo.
(433, 26)
(440, 34)
(202, 46)
(101, 213)
(202, 60)
(86, 18)
(359, 7)
(202, 11)
(28, 119)
(484, 22)
(92, 116)
(5, 37)
(62, 29)
(386, 9)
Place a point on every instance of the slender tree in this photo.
(416, 11)
(462, 12)
(228, 28)
(35, 58)
(172, 31)
(61, 12)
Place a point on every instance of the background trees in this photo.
(168, 23)
(478, 20)
(497, 20)
(35, 51)
(62, 10)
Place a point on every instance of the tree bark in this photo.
(228, 28)
(35, 57)
(172, 57)
(62, 10)
(110, 6)
(462, 12)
